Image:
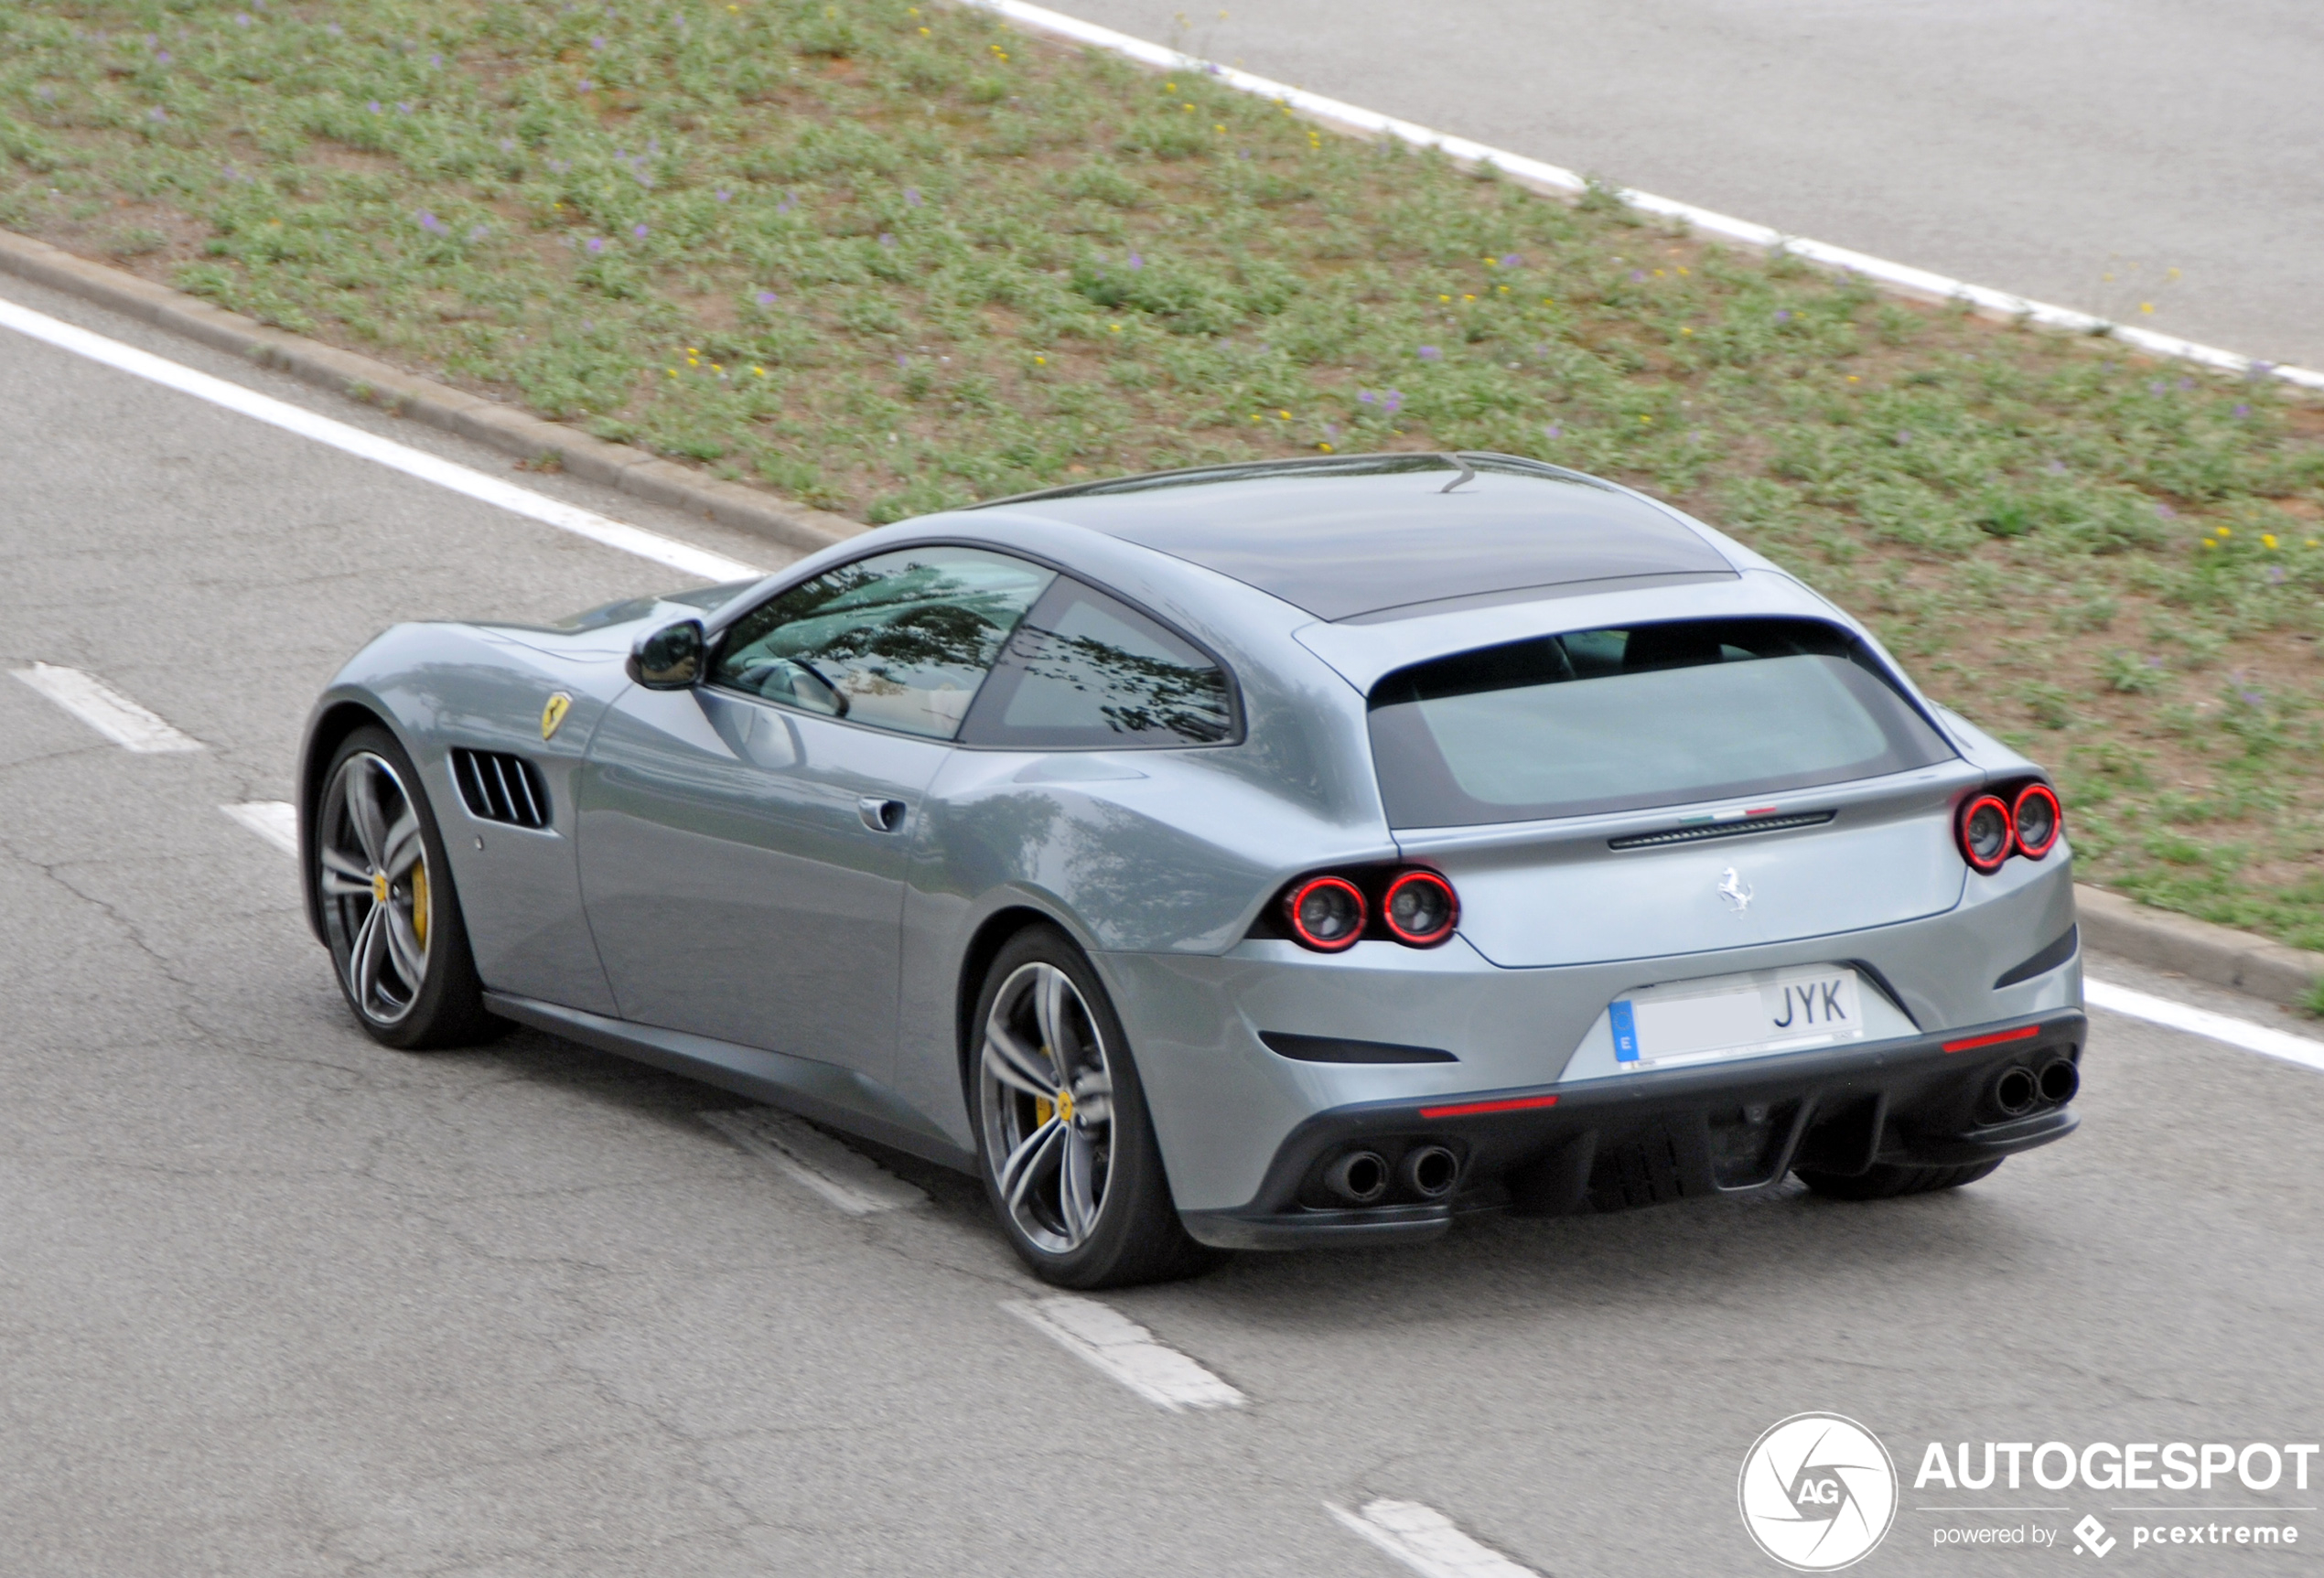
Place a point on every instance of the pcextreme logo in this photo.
(1817, 1492)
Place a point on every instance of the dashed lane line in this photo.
(106, 710)
(276, 821)
(843, 1178)
(1111, 1343)
(2261, 1039)
(478, 485)
(1426, 1541)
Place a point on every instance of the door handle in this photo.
(880, 815)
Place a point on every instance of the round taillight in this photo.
(1325, 913)
(1985, 833)
(2038, 819)
(1420, 909)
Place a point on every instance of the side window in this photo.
(1084, 670)
(898, 640)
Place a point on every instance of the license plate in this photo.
(1746, 1015)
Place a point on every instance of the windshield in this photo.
(1600, 721)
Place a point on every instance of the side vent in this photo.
(496, 787)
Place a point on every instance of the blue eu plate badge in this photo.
(1625, 1024)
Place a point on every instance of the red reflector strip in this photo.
(1996, 1039)
(1469, 1108)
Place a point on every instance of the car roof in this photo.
(1356, 535)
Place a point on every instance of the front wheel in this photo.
(389, 911)
(1069, 1155)
(1888, 1180)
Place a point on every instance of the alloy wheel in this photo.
(1047, 1098)
(375, 887)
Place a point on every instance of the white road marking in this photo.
(106, 710)
(276, 821)
(1426, 1541)
(853, 1182)
(1112, 1342)
(2251, 1038)
(1038, 19)
(401, 457)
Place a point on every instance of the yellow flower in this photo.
(1504, 290)
(1443, 297)
(759, 371)
(2208, 543)
(924, 33)
(1218, 128)
(1282, 416)
(1040, 361)
(1683, 331)
(2227, 531)
(1115, 327)
(1325, 447)
(1682, 269)
(1549, 301)
(2267, 541)
(674, 373)
(1492, 263)
(1658, 273)
(1468, 298)
(1854, 378)
(1170, 87)
(716, 367)
(1648, 419)
(2146, 306)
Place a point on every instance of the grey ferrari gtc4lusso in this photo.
(1250, 857)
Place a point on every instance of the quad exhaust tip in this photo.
(2060, 1081)
(1360, 1178)
(1429, 1171)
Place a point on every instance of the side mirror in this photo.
(671, 659)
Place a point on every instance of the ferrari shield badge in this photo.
(553, 712)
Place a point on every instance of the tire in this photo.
(1887, 1181)
(401, 958)
(1064, 1144)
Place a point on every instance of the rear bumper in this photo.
(1638, 1139)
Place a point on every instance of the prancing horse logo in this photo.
(1736, 891)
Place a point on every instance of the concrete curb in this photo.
(2116, 925)
(472, 417)
(2197, 949)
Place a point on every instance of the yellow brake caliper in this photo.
(419, 902)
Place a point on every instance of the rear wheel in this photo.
(389, 911)
(1069, 1155)
(1886, 1180)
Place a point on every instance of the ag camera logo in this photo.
(1818, 1492)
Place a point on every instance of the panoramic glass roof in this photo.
(1367, 533)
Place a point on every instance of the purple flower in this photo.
(1904, 436)
(887, 240)
(334, 29)
(1393, 401)
(2251, 698)
(560, 166)
(1637, 275)
(242, 18)
(1430, 353)
(1331, 431)
(586, 324)
(597, 43)
(2275, 573)
(1783, 315)
(161, 57)
(2153, 662)
(48, 94)
(157, 113)
(597, 243)
(766, 298)
(902, 361)
(638, 230)
(583, 84)
(478, 233)
(1365, 397)
(1512, 260)
(2186, 384)
(1554, 430)
(2260, 370)
(2166, 511)
(2242, 411)
(375, 106)
(430, 224)
(403, 109)
(1136, 262)
(722, 195)
(911, 197)
(2158, 386)
(2056, 469)
(436, 59)
(508, 144)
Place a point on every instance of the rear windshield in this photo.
(1655, 714)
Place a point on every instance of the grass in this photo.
(888, 258)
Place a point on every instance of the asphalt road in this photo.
(2033, 145)
(275, 1299)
